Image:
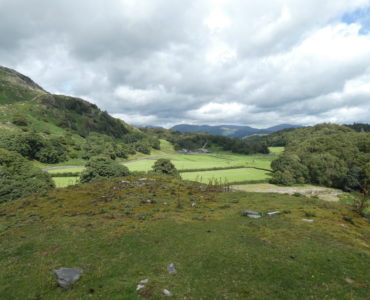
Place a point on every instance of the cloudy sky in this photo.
(164, 62)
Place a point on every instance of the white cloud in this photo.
(197, 61)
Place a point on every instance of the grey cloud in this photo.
(270, 59)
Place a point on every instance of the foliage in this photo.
(326, 154)
(164, 166)
(19, 178)
(101, 167)
(35, 146)
(194, 141)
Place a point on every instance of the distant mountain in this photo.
(230, 130)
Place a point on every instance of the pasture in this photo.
(230, 175)
(65, 181)
(203, 165)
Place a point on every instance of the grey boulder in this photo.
(67, 276)
(171, 269)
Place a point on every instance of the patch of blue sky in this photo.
(359, 16)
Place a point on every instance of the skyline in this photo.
(218, 62)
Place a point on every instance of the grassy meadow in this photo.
(201, 164)
(231, 175)
(118, 239)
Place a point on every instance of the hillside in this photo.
(72, 125)
(120, 232)
(230, 130)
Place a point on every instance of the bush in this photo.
(99, 168)
(164, 166)
(19, 178)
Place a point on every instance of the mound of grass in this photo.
(118, 238)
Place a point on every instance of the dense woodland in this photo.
(193, 141)
(325, 154)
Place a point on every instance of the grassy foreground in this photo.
(118, 238)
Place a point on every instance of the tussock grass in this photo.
(110, 230)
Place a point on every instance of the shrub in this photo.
(99, 168)
(164, 166)
(19, 178)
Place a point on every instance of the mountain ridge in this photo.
(237, 131)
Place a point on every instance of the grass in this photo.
(206, 161)
(232, 175)
(105, 229)
(65, 181)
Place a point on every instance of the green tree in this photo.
(99, 168)
(19, 178)
(164, 166)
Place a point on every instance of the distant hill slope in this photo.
(56, 128)
(25, 99)
(230, 130)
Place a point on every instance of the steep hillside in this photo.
(70, 122)
(15, 87)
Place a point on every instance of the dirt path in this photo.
(323, 193)
(61, 168)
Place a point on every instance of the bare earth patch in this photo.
(326, 194)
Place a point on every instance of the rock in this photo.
(273, 213)
(193, 204)
(171, 269)
(247, 212)
(124, 181)
(167, 293)
(67, 276)
(308, 220)
(143, 179)
(139, 287)
(144, 281)
(349, 280)
(254, 216)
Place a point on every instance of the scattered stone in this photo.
(193, 204)
(146, 201)
(167, 293)
(349, 280)
(144, 281)
(67, 276)
(139, 287)
(143, 179)
(171, 269)
(124, 181)
(273, 213)
(308, 220)
(254, 216)
(247, 212)
(165, 203)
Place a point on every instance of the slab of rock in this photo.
(144, 281)
(254, 216)
(139, 287)
(67, 276)
(308, 220)
(171, 269)
(273, 213)
(167, 293)
(247, 212)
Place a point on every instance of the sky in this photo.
(166, 62)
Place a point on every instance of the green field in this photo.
(198, 162)
(207, 161)
(232, 175)
(65, 181)
(106, 230)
